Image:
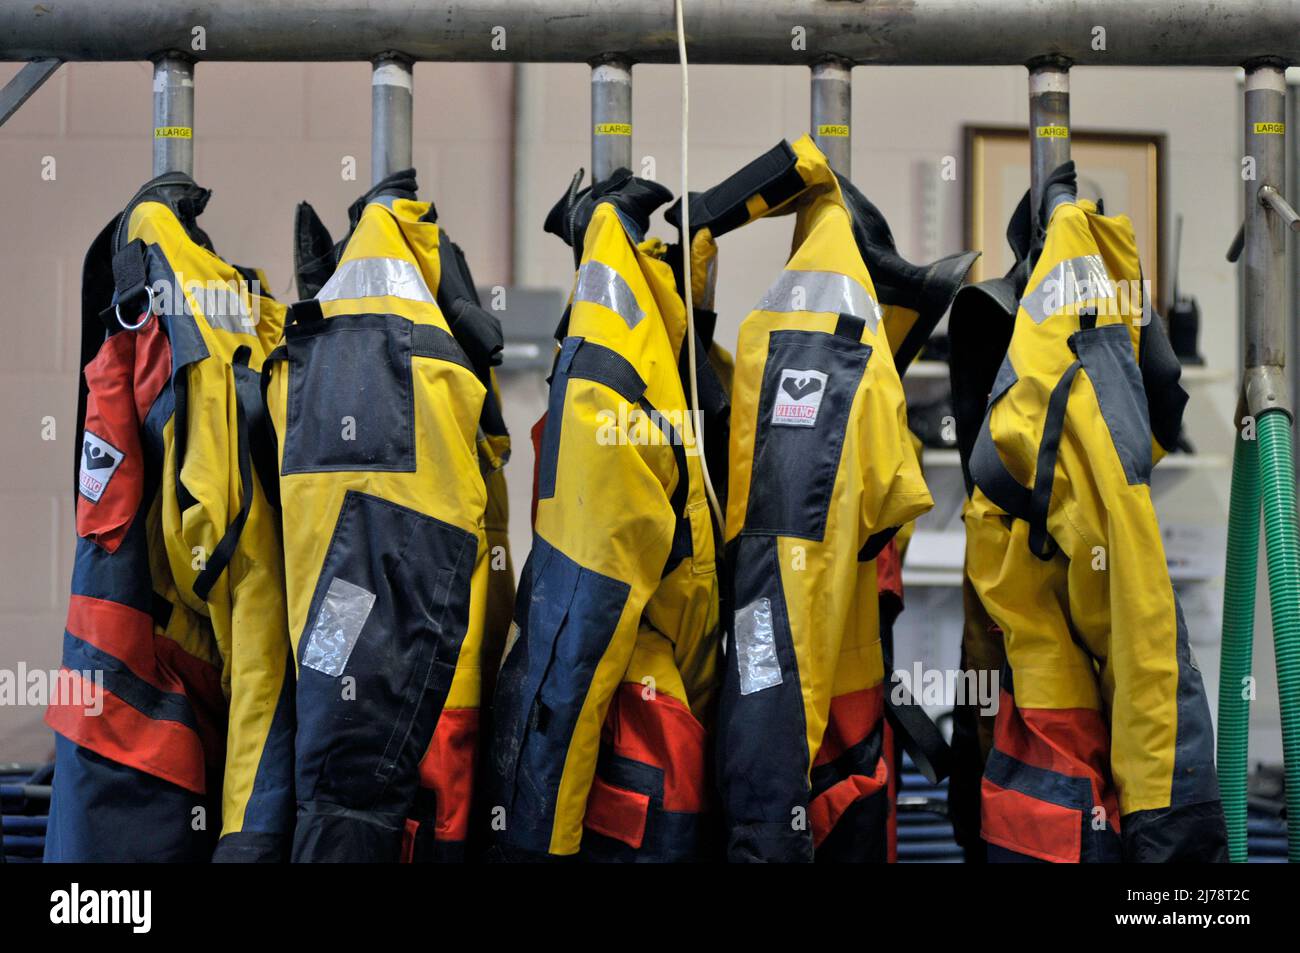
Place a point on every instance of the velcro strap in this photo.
(850, 326)
(130, 284)
(304, 312)
(920, 737)
(428, 340)
(773, 175)
(595, 362)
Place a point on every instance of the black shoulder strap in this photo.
(1040, 541)
(920, 737)
(263, 446)
(1030, 504)
(220, 556)
(774, 175)
(269, 468)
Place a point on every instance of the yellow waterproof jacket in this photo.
(377, 411)
(822, 471)
(441, 820)
(604, 698)
(178, 594)
(1103, 746)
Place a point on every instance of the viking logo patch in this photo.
(798, 397)
(99, 461)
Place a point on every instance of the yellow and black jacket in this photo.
(177, 594)
(441, 819)
(1102, 747)
(378, 409)
(821, 473)
(604, 699)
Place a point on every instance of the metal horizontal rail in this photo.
(915, 32)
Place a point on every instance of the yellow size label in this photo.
(1270, 128)
(173, 132)
(840, 132)
(1053, 132)
(613, 129)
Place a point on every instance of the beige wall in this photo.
(268, 136)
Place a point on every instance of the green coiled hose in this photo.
(1238, 632)
(1277, 472)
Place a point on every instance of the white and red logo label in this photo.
(798, 397)
(99, 461)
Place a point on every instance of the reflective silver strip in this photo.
(375, 278)
(339, 621)
(756, 656)
(600, 284)
(820, 291)
(1069, 282)
(223, 307)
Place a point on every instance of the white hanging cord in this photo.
(697, 419)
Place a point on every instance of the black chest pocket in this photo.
(351, 401)
(809, 384)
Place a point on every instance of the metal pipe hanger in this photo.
(919, 32)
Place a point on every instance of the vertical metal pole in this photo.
(1268, 215)
(1292, 291)
(832, 102)
(173, 115)
(611, 117)
(1049, 122)
(1264, 254)
(390, 116)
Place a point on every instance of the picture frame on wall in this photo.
(1124, 169)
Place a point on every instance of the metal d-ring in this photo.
(117, 309)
